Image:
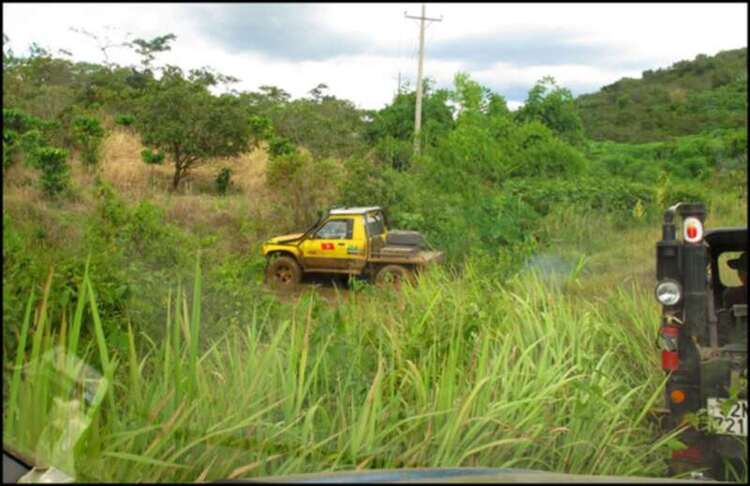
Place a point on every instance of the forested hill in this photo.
(689, 97)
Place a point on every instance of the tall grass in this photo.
(456, 371)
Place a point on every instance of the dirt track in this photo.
(330, 288)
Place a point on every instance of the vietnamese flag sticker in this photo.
(326, 246)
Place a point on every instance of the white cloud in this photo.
(640, 36)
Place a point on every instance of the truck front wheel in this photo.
(284, 273)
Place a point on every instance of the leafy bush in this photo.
(223, 180)
(151, 157)
(696, 167)
(55, 176)
(553, 106)
(542, 154)
(88, 134)
(304, 184)
(18, 121)
(29, 143)
(367, 184)
(396, 153)
(610, 195)
(260, 129)
(125, 120)
(280, 146)
(685, 191)
(629, 167)
(21, 133)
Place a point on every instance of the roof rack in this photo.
(357, 210)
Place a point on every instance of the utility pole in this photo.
(418, 111)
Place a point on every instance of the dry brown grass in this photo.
(122, 165)
(123, 168)
(19, 177)
(196, 207)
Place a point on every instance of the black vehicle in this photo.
(704, 342)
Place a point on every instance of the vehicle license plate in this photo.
(734, 422)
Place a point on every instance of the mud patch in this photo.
(333, 289)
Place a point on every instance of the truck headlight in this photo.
(668, 292)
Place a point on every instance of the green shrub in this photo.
(88, 134)
(609, 195)
(223, 180)
(55, 176)
(367, 184)
(17, 120)
(151, 157)
(29, 143)
(260, 129)
(280, 146)
(393, 152)
(543, 154)
(10, 140)
(125, 120)
(304, 184)
(685, 191)
(694, 167)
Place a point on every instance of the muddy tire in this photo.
(393, 276)
(283, 273)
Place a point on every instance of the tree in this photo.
(103, 42)
(148, 49)
(473, 99)
(9, 59)
(554, 107)
(306, 184)
(88, 134)
(55, 176)
(397, 119)
(182, 119)
(324, 124)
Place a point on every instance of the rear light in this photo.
(693, 230)
(670, 359)
(677, 396)
(692, 453)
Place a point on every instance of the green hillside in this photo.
(687, 98)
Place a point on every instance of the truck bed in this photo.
(405, 254)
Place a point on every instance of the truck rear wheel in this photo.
(284, 273)
(393, 275)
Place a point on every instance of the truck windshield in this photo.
(375, 224)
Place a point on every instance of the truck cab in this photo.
(703, 341)
(350, 241)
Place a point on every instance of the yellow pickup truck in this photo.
(351, 241)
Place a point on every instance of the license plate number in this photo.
(734, 422)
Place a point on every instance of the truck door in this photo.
(333, 246)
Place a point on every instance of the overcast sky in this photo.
(358, 50)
